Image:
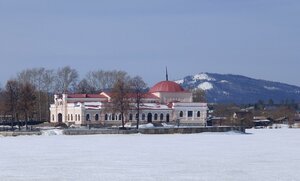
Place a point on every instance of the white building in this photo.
(166, 102)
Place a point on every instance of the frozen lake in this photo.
(262, 155)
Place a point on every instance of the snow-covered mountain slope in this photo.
(239, 89)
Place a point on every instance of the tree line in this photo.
(29, 94)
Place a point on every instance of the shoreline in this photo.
(154, 130)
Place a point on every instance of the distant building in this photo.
(166, 102)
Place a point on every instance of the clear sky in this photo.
(256, 38)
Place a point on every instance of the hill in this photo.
(228, 88)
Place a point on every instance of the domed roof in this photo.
(166, 86)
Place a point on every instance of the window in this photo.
(52, 117)
(136, 116)
(130, 117)
(78, 117)
(106, 117)
(198, 114)
(143, 117)
(161, 116)
(71, 117)
(97, 117)
(181, 114)
(87, 117)
(167, 118)
(113, 117)
(155, 116)
(120, 117)
(68, 117)
(75, 117)
(190, 114)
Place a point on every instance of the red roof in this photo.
(133, 95)
(85, 96)
(166, 86)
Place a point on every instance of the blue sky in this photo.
(257, 38)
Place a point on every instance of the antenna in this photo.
(167, 76)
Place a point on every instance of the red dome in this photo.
(166, 86)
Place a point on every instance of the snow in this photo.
(205, 86)
(179, 81)
(226, 93)
(271, 88)
(167, 125)
(203, 76)
(52, 132)
(149, 125)
(265, 154)
(224, 81)
(154, 106)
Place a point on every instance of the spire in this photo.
(167, 76)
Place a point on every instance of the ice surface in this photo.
(266, 154)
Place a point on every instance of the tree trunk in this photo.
(122, 116)
(26, 119)
(138, 116)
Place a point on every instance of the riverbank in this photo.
(148, 130)
(20, 133)
(154, 130)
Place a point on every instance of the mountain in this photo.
(228, 88)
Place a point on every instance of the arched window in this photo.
(71, 117)
(78, 117)
(136, 116)
(161, 116)
(130, 117)
(113, 117)
(75, 117)
(198, 114)
(87, 117)
(68, 117)
(97, 117)
(181, 114)
(168, 118)
(155, 116)
(106, 117)
(120, 117)
(53, 117)
(190, 114)
(143, 117)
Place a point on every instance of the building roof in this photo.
(85, 96)
(132, 95)
(166, 86)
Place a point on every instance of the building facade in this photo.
(166, 102)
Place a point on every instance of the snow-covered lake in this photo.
(263, 155)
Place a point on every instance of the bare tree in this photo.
(85, 88)
(48, 90)
(198, 95)
(120, 99)
(66, 79)
(27, 101)
(138, 86)
(12, 94)
(102, 80)
(43, 80)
